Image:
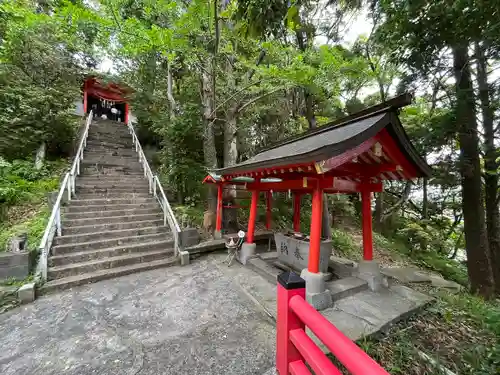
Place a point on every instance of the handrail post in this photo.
(164, 213)
(69, 188)
(289, 285)
(58, 222)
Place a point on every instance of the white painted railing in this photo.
(156, 189)
(54, 227)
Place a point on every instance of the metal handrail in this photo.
(156, 189)
(54, 226)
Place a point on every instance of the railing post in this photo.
(150, 179)
(58, 222)
(289, 285)
(154, 186)
(69, 187)
(43, 260)
(164, 214)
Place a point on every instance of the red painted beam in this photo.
(315, 231)
(347, 156)
(366, 170)
(253, 216)
(312, 354)
(287, 321)
(391, 149)
(354, 359)
(366, 213)
(298, 368)
(218, 221)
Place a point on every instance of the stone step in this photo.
(113, 139)
(100, 264)
(103, 127)
(105, 235)
(112, 213)
(96, 153)
(107, 243)
(113, 179)
(111, 144)
(111, 133)
(69, 282)
(111, 170)
(264, 269)
(345, 287)
(68, 231)
(111, 201)
(99, 209)
(115, 173)
(111, 219)
(124, 188)
(112, 194)
(90, 255)
(104, 133)
(111, 160)
(131, 183)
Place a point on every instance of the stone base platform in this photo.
(357, 311)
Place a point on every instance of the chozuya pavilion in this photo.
(353, 155)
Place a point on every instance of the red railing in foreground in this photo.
(295, 348)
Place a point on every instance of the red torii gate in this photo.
(351, 155)
(108, 91)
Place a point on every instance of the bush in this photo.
(34, 227)
(21, 183)
(344, 244)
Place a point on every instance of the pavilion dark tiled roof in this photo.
(335, 139)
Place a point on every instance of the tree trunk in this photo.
(379, 212)
(478, 263)
(170, 94)
(209, 150)
(326, 223)
(425, 199)
(231, 148)
(40, 156)
(490, 166)
(405, 196)
(309, 99)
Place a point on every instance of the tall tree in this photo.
(491, 165)
(419, 32)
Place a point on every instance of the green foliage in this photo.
(21, 184)
(39, 82)
(344, 244)
(431, 260)
(459, 331)
(34, 227)
(182, 155)
(189, 215)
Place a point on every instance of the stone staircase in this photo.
(113, 226)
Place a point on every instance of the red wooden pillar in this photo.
(253, 216)
(85, 99)
(296, 211)
(315, 235)
(218, 220)
(269, 216)
(366, 212)
(125, 118)
(289, 285)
